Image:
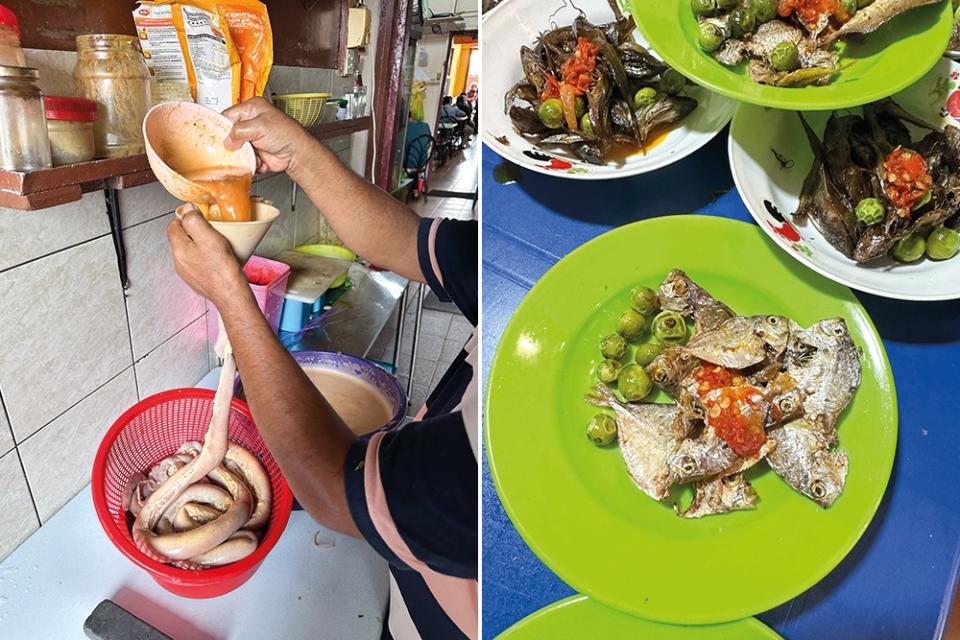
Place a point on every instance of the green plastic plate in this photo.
(880, 64)
(579, 617)
(575, 504)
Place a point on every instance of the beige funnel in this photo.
(245, 236)
(181, 137)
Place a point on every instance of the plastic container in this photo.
(11, 53)
(296, 314)
(268, 279)
(110, 70)
(70, 127)
(24, 145)
(153, 429)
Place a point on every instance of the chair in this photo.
(418, 159)
(448, 138)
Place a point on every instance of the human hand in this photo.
(203, 258)
(277, 138)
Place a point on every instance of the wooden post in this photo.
(392, 43)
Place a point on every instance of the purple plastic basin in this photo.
(365, 370)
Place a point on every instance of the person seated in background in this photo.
(471, 126)
(464, 105)
(449, 110)
(472, 98)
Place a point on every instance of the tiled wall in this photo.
(77, 350)
(305, 80)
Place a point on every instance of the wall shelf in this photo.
(29, 191)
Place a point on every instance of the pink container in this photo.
(268, 279)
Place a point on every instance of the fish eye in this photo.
(728, 480)
(787, 405)
(818, 489)
(688, 465)
(838, 331)
(659, 375)
(774, 320)
(680, 287)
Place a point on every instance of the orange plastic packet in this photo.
(250, 29)
(226, 47)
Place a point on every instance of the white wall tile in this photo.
(338, 144)
(316, 80)
(145, 203)
(6, 436)
(19, 519)
(307, 222)
(56, 70)
(158, 301)
(58, 459)
(25, 235)
(65, 334)
(284, 79)
(179, 362)
(280, 238)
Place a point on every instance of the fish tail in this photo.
(601, 396)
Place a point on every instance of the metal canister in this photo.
(24, 145)
(111, 71)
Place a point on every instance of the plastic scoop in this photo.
(186, 139)
(245, 236)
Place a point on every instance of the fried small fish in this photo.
(679, 293)
(802, 458)
(720, 495)
(665, 111)
(708, 455)
(692, 412)
(731, 52)
(671, 368)
(741, 341)
(768, 35)
(873, 16)
(645, 435)
(825, 363)
(786, 401)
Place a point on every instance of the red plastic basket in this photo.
(153, 429)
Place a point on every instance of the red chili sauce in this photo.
(737, 417)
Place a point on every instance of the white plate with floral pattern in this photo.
(770, 157)
(516, 23)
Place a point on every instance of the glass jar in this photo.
(10, 52)
(111, 71)
(24, 145)
(70, 127)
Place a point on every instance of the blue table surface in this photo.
(899, 581)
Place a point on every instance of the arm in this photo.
(368, 220)
(306, 437)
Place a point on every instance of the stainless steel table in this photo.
(356, 318)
